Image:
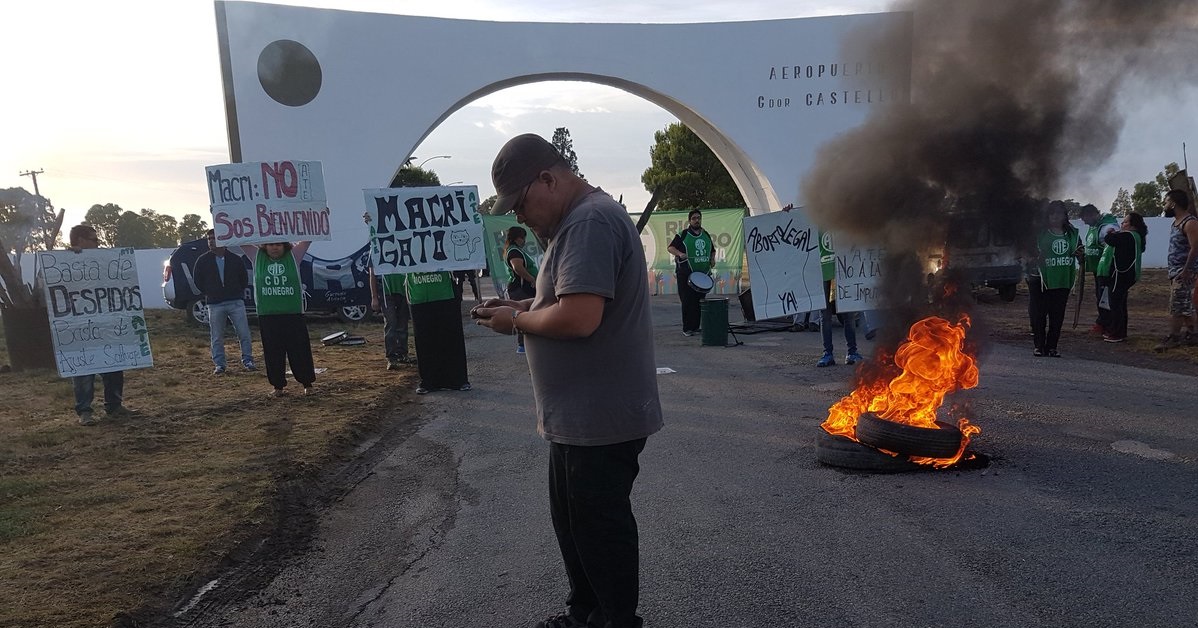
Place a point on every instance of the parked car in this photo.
(330, 286)
(976, 256)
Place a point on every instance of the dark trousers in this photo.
(440, 344)
(589, 490)
(690, 303)
(1104, 316)
(1046, 309)
(1116, 325)
(85, 391)
(395, 325)
(285, 340)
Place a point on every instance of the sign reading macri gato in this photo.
(424, 229)
(94, 303)
(784, 268)
(268, 201)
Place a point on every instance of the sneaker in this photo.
(118, 411)
(687, 333)
(1038, 353)
(853, 358)
(220, 370)
(86, 418)
(421, 390)
(561, 620)
(1052, 353)
(1110, 338)
(406, 359)
(519, 348)
(278, 392)
(392, 365)
(827, 360)
(1169, 342)
(464, 387)
(250, 366)
(309, 391)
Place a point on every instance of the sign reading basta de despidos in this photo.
(94, 303)
(268, 201)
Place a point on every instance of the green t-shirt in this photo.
(1058, 266)
(827, 256)
(277, 287)
(429, 287)
(393, 284)
(699, 250)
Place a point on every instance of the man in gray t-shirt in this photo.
(589, 339)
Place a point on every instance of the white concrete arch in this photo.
(358, 90)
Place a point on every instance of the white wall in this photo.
(149, 274)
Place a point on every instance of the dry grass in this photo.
(121, 516)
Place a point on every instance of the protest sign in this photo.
(784, 264)
(270, 201)
(726, 230)
(425, 229)
(859, 271)
(94, 303)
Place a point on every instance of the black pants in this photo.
(440, 344)
(1116, 325)
(1104, 316)
(1046, 309)
(690, 303)
(285, 340)
(589, 490)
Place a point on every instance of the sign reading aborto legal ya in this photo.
(268, 201)
(424, 229)
(94, 304)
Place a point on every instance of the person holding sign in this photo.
(1049, 281)
(84, 237)
(437, 326)
(394, 306)
(590, 353)
(279, 296)
(827, 259)
(523, 270)
(223, 280)
(693, 252)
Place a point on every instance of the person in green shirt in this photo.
(279, 298)
(437, 330)
(1057, 250)
(693, 252)
(393, 303)
(523, 270)
(1099, 226)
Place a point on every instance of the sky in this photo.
(121, 102)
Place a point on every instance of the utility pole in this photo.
(33, 174)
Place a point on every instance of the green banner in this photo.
(726, 227)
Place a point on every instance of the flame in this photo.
(932, 363)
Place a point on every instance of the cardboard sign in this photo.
(784, 266)
(859, 272)
(424, 229)
(270, 201)
(94, 304)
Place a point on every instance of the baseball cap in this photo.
(520, 160)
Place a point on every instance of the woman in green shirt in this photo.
(437, 331)
(279, 297)
(1051, 278)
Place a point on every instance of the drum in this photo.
(700, 282)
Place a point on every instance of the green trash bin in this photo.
(713, 318)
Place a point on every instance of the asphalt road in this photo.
(1087, 516)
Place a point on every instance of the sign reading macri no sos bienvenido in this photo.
(93, 300)
(268, 201)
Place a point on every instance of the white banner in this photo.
(859, 273)
(268, 201)
(94, 303)
(784, 270)
(425, 229)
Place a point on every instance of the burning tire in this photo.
(839, 451)
(942, 442)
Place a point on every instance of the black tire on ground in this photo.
(197, 313)
(1007, 292)
(839, 451)
(908, 440)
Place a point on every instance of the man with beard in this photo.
(693, 252)
(1183, 267)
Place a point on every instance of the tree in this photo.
(565, 146)
(692, 176)
(1122, 203)
(409, 177)
(104, 218)
(488, 204)
(26, 221)
(164, 228)
(192, 227)
(135, 231)
(1146, 195)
